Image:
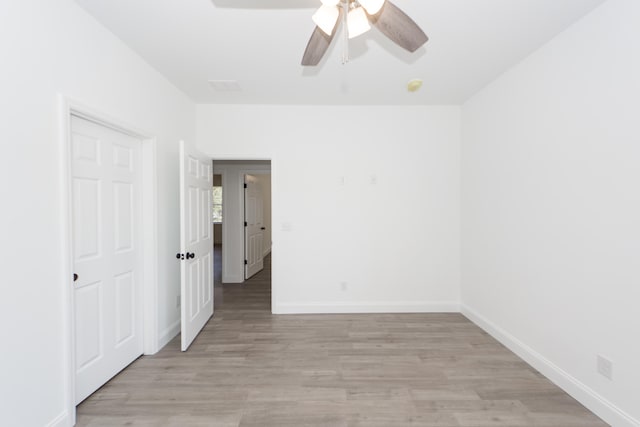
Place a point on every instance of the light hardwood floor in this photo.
(251, 368)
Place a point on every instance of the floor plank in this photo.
(250, 368)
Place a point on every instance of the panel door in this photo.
(254, 226)
(196, 242)
(106, 217)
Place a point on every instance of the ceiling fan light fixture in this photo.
(357, 22)
(326, 18)
(372, 6)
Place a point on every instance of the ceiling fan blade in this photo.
(318, 44)
(397, 25)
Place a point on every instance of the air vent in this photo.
(225, 85)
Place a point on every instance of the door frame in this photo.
(240, 192)
(69, 107)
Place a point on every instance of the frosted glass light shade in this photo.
(372, 6)
(326, 18)
(357, 22)
(330, 2)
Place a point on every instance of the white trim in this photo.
(150, 247)
(578, 390)
(66, 259)
(69, 107)
(61, 420)
(274, 235)
(368, 307)
(169, 333)
(267, 251)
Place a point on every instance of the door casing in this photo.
(69, 107)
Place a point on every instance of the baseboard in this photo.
(168, 334)
(579, 391)
(266, 252)
(61, 420)
(367, 307)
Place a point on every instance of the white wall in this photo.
(233, 215)
(551, 209)
(412, 154)
(50, 47)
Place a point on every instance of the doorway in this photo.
(108, 186)
(232, 250)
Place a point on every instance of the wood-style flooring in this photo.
(250, 368)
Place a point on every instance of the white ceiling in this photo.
(260, 44)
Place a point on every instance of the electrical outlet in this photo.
(605, 367)
(178, 301)
(343, 286)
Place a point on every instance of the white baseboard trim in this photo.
(168, 334)
(579, 391)
(267, 251)
(61, 420)
(367, 307)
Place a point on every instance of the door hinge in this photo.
(245, 223)
(245, 185)
(246, 262)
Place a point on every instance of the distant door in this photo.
(106, 209)
(196, 242)
(254, 226)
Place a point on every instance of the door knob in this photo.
(75, 277)
(263, 228)
(190, 255)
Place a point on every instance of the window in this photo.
(217, 204)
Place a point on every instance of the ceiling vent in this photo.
(225, 85)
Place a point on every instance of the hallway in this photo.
(253, 369)
(253, 294)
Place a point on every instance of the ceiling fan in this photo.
(358, 17)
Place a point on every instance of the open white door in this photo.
(196, 243)
(253, 226)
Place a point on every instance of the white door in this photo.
(106, 209)
(253, 226)
(196, 242)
